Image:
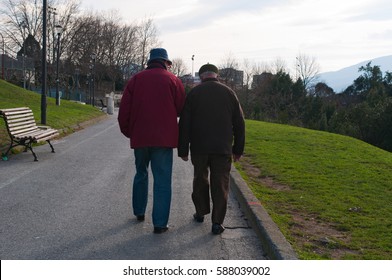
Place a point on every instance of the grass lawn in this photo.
(330, 195)
(65, 117)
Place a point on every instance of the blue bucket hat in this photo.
(159, 53)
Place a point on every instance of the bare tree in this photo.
(279, 65)
(148, 38)
(82, 39)
(21, 22)
(178, 68)
(307, 69)
(108, 48)
(248, 73)
(120, 49)
(127, 49)
(245, 94)
(229, 61)
(261, 67)
(67, 16)
(20, 18)
(229, 72)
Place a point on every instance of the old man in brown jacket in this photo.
(212, 125)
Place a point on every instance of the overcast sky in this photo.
(338, 33)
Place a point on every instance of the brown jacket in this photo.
(212, 121)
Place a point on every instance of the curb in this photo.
(273, 242)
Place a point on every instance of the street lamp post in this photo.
(59, 29)
(52, 11)
(193, 59)
(2, 58)
(77, 71)
(93, 57)
(24, 26)
(43, 91)
(88, 83)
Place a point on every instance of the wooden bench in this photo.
(23, 130)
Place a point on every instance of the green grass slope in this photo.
(65, 117)
(330, 195)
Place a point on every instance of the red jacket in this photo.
(150, 105)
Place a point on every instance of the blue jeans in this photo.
(161, 166)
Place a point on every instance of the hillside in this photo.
(329, 194)
(64, 117)
(341, 79)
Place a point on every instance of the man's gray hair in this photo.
(209, 74)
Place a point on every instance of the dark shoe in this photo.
(198, 218)
(140, 217)
(217, 229)
(160, 229)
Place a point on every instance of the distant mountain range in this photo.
(341, 79)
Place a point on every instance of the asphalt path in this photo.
(75, 204)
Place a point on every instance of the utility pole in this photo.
(24, 26)
(53, 11)
(92, 67)
(43, 91)
(193, 59)
(2, 58)
(59, 29)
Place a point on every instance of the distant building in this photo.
(232, 77)
(260, 79)
(229, 76)
(190, 81)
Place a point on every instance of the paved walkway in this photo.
(75, 204)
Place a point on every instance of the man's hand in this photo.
(236, 157)
(185, 158)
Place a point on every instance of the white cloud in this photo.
(338, 33)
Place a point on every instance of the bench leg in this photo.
(4, 156)
(29, 146)
(50, 146)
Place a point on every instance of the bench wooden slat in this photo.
(2, 111)
(16, 113)
(25, 119)
(20, 116)
(23, 129)
(37, 134)
(27, 134)
(46, 136)
(19, 125)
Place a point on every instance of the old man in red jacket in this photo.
(151, 103)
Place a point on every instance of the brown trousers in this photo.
(219, 167)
